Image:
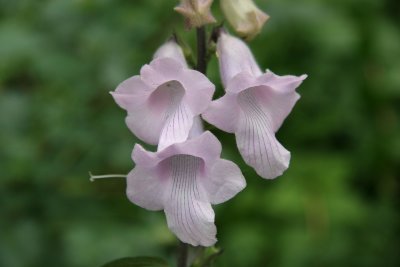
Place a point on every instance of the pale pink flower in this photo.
(163, 100)
(253, 107)
(184, 179)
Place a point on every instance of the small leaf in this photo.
(137, 262)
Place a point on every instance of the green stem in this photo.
(183, 251)
(201, 50)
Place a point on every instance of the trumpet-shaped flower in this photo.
(162, 101)
(184, 179)
(253, 107)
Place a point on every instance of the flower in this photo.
(162, 101)
(184, 179)
(196, 12)
(244, 16)
(254, 107)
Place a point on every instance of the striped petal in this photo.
(255, 138)
(189, 214)
(184, 179)
(163, 117)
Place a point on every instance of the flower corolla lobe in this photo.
(254, 107)
(184, 179)
(164, 99)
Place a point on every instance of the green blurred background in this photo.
(337, 205)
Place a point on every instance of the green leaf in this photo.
(137, 262)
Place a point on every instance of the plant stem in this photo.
(183, 251)
(201, 50)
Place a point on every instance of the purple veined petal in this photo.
(172, 50)
(164, 118)
(234, 57)
(223, 113)
(163, 101)
(146, 189)
(148, 119)
(255, 138)
(188, 213)
(275, 105)
(184, 179)
(277, 95)
(177, 125)
(225, 181)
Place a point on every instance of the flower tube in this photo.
(164, 99)
(184, 179)
(254, 107)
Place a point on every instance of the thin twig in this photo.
(201, 50)
(183, 251)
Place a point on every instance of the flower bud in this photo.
(196, 12)
(244, 16)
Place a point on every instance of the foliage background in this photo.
(337, 205)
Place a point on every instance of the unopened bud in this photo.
(196, 12)
(244, 16)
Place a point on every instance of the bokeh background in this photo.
(337, 205)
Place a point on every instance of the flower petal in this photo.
(160, 71)
(146, 189)
(189, 216)
(256, 140)
(144, 158)
(276, 94)
(234, 57)
(197, 128)
(224, 181)
(282, 84)
(199, 90)
(205, 146)
(130, 92)
(223, 113)
(277, 104)
(171, 50)
(164, 118)
(145, 123)
(177, 126)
